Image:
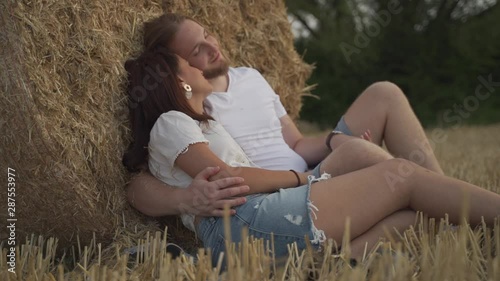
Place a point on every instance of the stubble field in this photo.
(431, 251)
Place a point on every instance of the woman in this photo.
(168, 117)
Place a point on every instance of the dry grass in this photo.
(429, 252)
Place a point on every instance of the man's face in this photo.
(193, 43)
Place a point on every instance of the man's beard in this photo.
(217, 71)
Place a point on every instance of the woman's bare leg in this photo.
(384, 109)
(369, 195)
(353, 155)
(393, 224)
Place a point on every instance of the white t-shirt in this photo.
(171, 136)
(250, 111)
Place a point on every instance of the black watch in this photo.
(330, 136)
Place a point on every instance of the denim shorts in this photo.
(286, 214)
(342, 126)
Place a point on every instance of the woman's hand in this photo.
(207, 198)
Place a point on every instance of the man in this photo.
(247, 107)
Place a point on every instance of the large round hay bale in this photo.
(64, 113)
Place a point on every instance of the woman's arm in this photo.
(199, 156)
(152, 197)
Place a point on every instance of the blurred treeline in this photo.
(435, 50)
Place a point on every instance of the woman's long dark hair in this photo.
(153, 89)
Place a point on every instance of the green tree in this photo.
(434, 50)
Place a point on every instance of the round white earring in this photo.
(188, 89)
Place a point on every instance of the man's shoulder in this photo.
(242, 71)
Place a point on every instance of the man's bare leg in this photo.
(385, 111)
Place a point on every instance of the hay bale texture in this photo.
(64, 112)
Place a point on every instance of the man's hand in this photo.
(339, 139)
(207, 198)
(367, 135)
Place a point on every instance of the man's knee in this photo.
(385, 91)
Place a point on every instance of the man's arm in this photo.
(312, 149)
(154, 198)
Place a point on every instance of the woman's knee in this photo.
(398, 164)
(398, 173)
(361, 149)
(353, 155)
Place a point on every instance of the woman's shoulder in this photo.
(174, 121)
(176, 118)
(174, 114)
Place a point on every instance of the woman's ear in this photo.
(180, 81)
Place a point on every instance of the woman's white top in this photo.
(172, 134)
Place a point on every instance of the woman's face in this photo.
(194, 78)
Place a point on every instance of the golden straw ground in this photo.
(432, 251)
